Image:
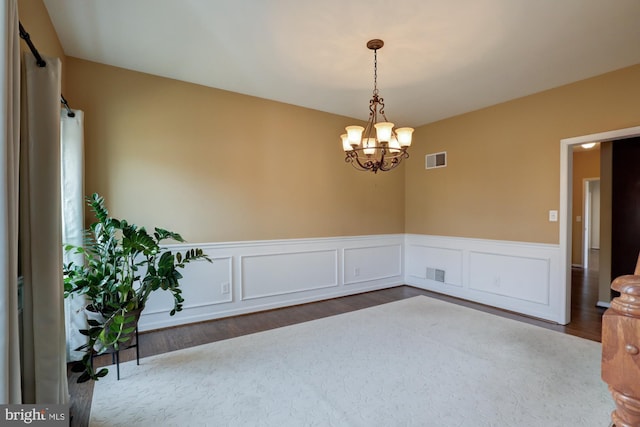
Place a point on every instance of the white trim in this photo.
(566, 168)
(187, 305)
(279, 273)
(226, 311)
(393, 270)
(243, 285)
(277, 242)
(603, 304)
(611, 135)
(516, 276)
(538, 289)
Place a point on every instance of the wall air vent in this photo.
(436, 160)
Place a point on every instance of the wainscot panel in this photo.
(518, 276)
(261, 275)
(448, 261)
(214, 287)
(278, 274)
(370, 263)
(524, 278)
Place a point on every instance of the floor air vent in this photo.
(436, 160)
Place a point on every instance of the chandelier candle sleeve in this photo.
(345, 142)
(394, 145)
(355, 134)
(404, 136)
(377, 146)
(369, 146)
(383, 131)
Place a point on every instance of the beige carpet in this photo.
(415, 362)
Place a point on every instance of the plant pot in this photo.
(125, 339)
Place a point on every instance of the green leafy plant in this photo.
(122, 265)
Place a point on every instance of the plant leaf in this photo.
(101, 373)
(84, 378)
(77, 367)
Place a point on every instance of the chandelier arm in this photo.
(393, 161)
(353, 158)
(369, 127)
(358, 163)
(388, 168)
(373, 109)
(358, 167)
(392, 164)
(368, 165)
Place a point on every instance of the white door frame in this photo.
(566, 171)
(587, 219)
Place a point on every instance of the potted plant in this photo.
(123, 264)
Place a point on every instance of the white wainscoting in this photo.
(521, 277)
(252, 276)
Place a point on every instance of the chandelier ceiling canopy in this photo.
(378, 146)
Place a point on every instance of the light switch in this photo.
(578, 218)
(553, 216)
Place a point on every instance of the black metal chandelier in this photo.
(377, 146)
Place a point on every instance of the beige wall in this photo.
(201, 160)
(503, 167)
(219, 166)
(35, 19)
(586, 164)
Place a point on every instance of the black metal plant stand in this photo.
(115, 355)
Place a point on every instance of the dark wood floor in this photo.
(586, 323)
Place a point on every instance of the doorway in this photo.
(591, 222)
(566, 216)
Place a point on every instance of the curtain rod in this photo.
(41, 63)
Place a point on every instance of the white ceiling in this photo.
(441, 57)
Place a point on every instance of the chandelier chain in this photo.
(375, 71)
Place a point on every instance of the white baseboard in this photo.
(603, 304)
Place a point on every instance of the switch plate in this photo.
(224, 288)
(553, 216)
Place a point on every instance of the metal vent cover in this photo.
(436, 160)
(435, 274)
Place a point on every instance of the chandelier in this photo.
(377, 146)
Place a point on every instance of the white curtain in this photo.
(72, 197)
(44, 373)
(10, 389)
